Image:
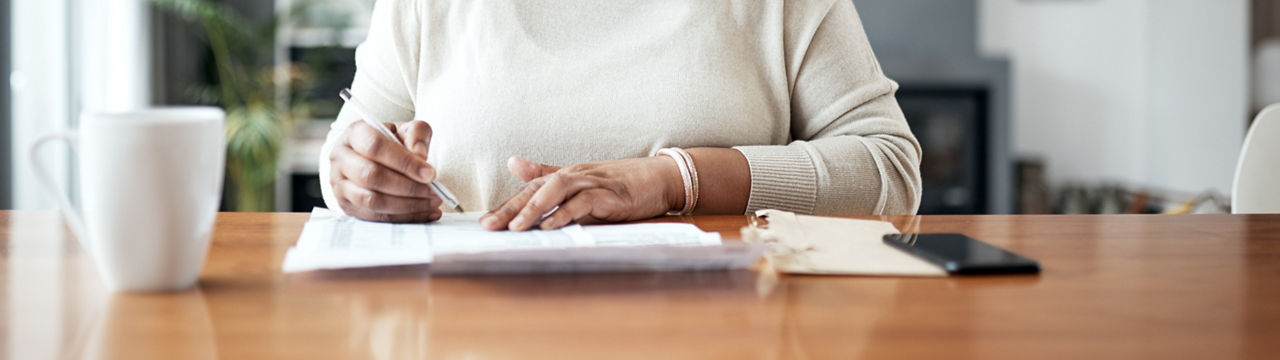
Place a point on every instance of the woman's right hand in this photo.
(377, 179)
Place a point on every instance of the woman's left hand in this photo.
(607, 191)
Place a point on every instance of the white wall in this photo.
(1077, 86)
(1143, 92)
(1199, 91)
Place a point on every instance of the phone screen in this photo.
(958, 253)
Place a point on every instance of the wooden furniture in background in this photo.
(1199, 286)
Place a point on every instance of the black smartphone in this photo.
(960, 254)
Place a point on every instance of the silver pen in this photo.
(444, 192)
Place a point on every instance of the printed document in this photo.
(458, 244)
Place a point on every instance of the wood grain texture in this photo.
(1196, 286)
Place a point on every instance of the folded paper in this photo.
(802, 244)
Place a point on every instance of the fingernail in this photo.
(427, 174)
(518, 222)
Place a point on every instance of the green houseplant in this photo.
(258, 118)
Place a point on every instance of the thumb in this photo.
(526, 170)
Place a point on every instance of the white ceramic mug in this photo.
(150, 185)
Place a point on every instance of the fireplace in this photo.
(951, 123)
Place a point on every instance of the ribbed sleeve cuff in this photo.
(782, 178)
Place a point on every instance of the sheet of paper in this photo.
(457, 244)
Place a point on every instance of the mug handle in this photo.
(74, 221)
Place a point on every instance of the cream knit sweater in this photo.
(791, 84)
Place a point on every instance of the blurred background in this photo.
(1022, 106)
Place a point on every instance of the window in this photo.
(6, 166)
(65, 56)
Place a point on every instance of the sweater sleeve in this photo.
(853, 152)
(385, 80)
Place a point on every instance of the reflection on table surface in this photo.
(1150, 286)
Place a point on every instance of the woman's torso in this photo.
(563, 82)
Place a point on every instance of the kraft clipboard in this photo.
(802, 244)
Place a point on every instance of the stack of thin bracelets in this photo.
(689, 174)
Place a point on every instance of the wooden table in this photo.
(1199, 286)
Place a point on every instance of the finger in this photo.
(369, 215)
(371, 175)
(578, 208)
(500, 219)
(416, 135)
(369, 143)
(396, 218)
(527, 170)
(557, 188)
(364, 199)
(366, 214)
(434, 214)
